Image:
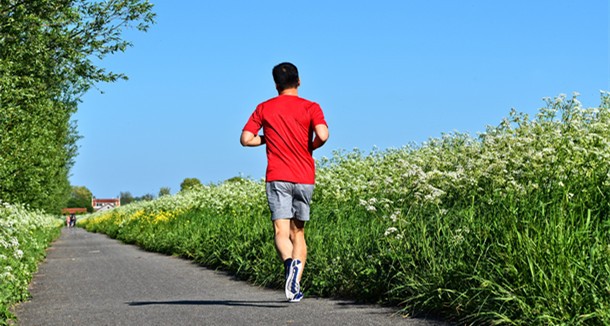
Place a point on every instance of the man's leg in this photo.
(299, 246)
(285, 248)
(283, 243)
(294, 265)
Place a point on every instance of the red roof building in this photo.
(105, 204)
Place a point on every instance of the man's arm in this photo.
(321, 136)
(250, 139)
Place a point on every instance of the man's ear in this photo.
(299, 83)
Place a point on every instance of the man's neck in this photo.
(290, 91)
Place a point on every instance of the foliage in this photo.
(47, 50)
(510, 227)
(146, 197)
(164, 191)
(236, 179)
(126, 197)
(24, 236)
(190, 184)
(80, 197)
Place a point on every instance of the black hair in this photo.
(286, 75)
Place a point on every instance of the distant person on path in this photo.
(72, 220)
(293, 128)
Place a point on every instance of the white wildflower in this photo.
(394, 216)
(390, 230)
(8, 277)
(458, 238)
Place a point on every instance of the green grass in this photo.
(510, 227)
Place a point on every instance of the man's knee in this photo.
(297, 225)
(297, 230)
(282, 228)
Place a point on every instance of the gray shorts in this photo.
(287, 200)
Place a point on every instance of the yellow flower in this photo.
(163, 217)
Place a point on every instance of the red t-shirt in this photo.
(288, 125)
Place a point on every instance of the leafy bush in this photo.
(24, 236)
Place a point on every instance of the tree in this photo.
(47, 50)
(80, 197)
(147, 197)
(164, 191)
(190, 183)
(237, 179)
(126, 198)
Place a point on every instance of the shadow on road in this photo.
(260, 304)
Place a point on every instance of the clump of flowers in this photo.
(24, 235)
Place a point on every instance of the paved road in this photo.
(90, 279)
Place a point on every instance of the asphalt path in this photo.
(90, 279)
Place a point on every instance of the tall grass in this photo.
(509, 227)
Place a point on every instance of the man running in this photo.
(293, 128)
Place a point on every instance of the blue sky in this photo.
(386, 74)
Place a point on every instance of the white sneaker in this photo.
(297, 297)
(292, 284)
